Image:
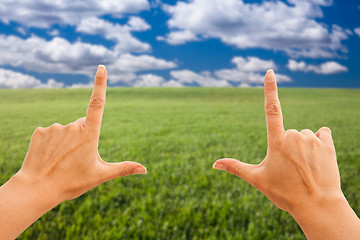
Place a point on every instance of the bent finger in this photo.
(324, 134)
(307, 132)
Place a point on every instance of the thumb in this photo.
(240, 169)
(122, 169)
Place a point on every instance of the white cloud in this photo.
(178, 37)
(60, 56)
(82, 85)
(52, 83)
(138, 24)
(21, 30)
(123, 68)
(12, 79)
(249, 70)
(272, 25)
(172, 83)
(204, 79)
(357, 31)
(55, 56)
(85, 17)
(253, 64)
(132, 63)
(151, 80)
(53, 32)
(121, 34)
(45, 13)
(329, 67)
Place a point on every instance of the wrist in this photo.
(331, 217)
(37, 190)
(23, 200)
(317, 205)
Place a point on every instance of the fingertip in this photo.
(236, 167)
(139, 170)
(219, 165)
(270, 75)
(101, 70)
(325, 129)
(101, 75)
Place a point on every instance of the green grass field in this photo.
(178, 134)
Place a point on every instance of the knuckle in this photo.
(100, 81)
(292, 133)
(271, 87)
(273, 108)
(236, 169)
(306, 131)
(97, 103)
(326, 129)
(279, 143)
(70, 128)
(125, 170)
(83, 131)
(55, 127)
(39, 131)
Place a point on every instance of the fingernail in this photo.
(101, 70)
(270, 75)
(219, 166)
(139, 170)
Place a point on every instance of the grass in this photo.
(178, 134)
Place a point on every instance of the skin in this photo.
(299, 175)
(62, 163)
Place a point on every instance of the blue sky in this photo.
(210, 43)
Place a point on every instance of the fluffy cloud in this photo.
(252, 64)
(249, 70)
(151, 80)
(178, 37)
(270, 25)
(60, 56)
(55, 56)
(203, 79)
(82, 85)
(357, 31)
(330, 67)
(12, 79)
(121, 34)
(45, 13)
(123, 68)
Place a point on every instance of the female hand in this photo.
(64, 160)
(299, 174)
(62, 163)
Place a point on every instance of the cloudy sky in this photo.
(217, 43)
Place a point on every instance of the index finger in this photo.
(274, 119)
(97, 101)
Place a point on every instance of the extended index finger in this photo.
(274, 119)
(97, 101)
